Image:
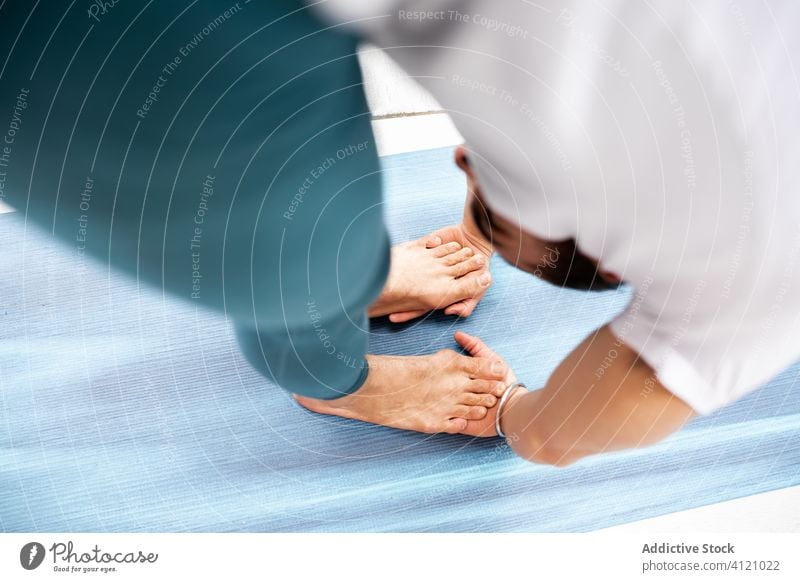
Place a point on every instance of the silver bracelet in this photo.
(503, 400)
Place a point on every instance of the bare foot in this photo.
(422, 279)
(467, 236)
(436, 393)
(485, 427)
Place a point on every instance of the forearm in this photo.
(580, 412)
(528, 436)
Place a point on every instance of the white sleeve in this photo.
(709, 345)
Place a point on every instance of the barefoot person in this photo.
(224, 154)
(613, 142)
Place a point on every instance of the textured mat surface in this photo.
(121, 410)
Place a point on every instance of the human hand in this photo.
(467, 235)
(485, 427)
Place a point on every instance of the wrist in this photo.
(503, 421)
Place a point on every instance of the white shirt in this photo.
(665, 139)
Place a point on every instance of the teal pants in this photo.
(220, 151)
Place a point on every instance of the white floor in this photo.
(397, 135)
(773, 512)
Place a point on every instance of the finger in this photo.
(455, 425)
(403, 316)
(470, 412)
(464, 267)
(446, 249)
(487, 387)
(473, 284)
(487, 400)
(433, 241)
(459, 256)
(474, 345)
(484, 368)
(477, 413)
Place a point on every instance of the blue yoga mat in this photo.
(124, 410)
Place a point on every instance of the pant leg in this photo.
(222, 152)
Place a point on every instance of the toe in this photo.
(404, 316)
(462, 308)
(464, 267)
(432, 241)
(477, 413)
(455, 425)
(473, 283)
(458, 256)
(461, 410)
(487, 387)
(446, 249)
(487, 400)
(470, 412)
